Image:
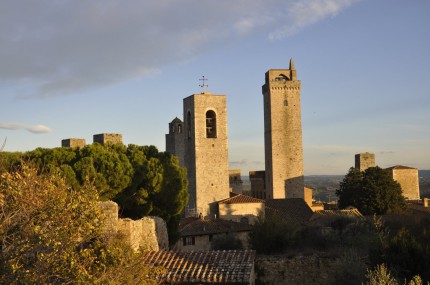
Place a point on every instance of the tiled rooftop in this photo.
(350, 213)
(239, 199)
(204, 267)
(400, 167)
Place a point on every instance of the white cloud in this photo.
(304, 13)
(37, 129)
(62, 47)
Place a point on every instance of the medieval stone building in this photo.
(283, 134)
(201, 143)
(364, 161)
(175, 143)
(406, 176)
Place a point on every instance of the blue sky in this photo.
(71, 69)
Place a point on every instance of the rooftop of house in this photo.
(196, 226)
(400, 167)
(204, 267)
(236, 198)
(348, 213)
(293, 210)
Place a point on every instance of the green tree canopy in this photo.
(142, 180)
(373, 191)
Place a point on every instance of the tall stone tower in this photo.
(206, 151)
(175, 140)
(283, 134)
(364, 161)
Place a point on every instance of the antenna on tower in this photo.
(3, 145)
(203, 85)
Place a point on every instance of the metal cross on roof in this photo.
(203, 85)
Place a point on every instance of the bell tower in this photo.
(283, 134)
(206, 151)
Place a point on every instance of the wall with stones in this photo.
(73, 143)
(206, 158)
(283, 134)
(296, 270)
(148, 233)
(235, 212)
(409, 180)
(107, 138)
(364, 161)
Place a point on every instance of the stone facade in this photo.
(148, 233)
(73, 143)
(283, 134)
(258, 184)
(204, 242)
(364, 161)
(408, 178)
(241, 212)
(206, 151)
(175, 143)
(312, 269)
(235, 181)
(107, 138)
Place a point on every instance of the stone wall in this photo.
(206, 157)
(311, 269)
(364, 161)
(73, 143)
(148, 233)
(283, 133)
(107, 138)
(409, 180)
(235, 212)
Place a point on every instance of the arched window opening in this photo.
(286, 103)
(210, 124)
(282, 77)
(244, 220)
(179, 129)
(189, 124)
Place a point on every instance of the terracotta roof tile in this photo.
(195, 226)
(239, 199)
(400, 167)
(203, 267)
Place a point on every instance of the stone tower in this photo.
(283, 134)
(364, 160)
(175, 140)
(206, 151)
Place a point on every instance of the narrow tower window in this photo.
(285, 102)
(210, 124)
(189, 124)
(180, 129)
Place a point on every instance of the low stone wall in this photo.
(148, 233)
(311, 269)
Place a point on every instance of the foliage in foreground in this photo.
(51, 234)
(272, 236)
(404, 246)
(372, 192)
(142, 180)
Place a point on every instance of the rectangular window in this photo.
(188, 241)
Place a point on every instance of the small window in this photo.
(285, 102)
(188, 241)
(210, 124)
(180, 129)
(244, 220)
